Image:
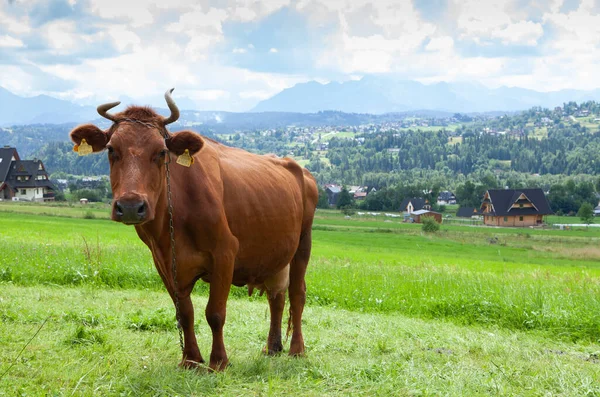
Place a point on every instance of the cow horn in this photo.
(103, 109)
(174, 110)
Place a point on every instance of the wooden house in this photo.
(510, 207)
(23, 180)
(418, 216)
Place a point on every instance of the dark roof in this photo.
(417, 202)
(27, 168)
(6, 154)
(466, 212)
(503, 199)
(446, 195)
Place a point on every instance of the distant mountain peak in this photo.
(386, 93)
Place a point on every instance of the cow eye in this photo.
(161, 155)
(111, 153)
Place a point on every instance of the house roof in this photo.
(6, 155)
(446, 195)
(29, 168)
(334, 189)
(503, 199)
(417, 203)
(421, 212)
(466, 212)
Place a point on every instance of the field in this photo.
(391, 311)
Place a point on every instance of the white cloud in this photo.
(444, 43)
(15, 79)
(495, 19)
(12, 23)
(135, 13)
(197, 47)
(123, 37)
(523, 32)
(480, 18)
(259, 94)
(61, 35)
(199, 20)
(187, 52)
(209, 95)
(9, 41)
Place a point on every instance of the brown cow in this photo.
(239, 218)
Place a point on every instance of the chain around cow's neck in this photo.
(173, 258)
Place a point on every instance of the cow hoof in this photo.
(219, 366)
(272, 351)
(297, 351)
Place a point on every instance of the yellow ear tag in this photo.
(185, 159)
(83, 148)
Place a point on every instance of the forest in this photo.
(557, 150)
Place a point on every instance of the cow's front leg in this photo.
(216, 309)
(191, 353)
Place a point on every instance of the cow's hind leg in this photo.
(276, 305)
(297, 291)
(276, 287)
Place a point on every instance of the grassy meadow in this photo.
(390, 311)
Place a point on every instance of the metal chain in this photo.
(173, 258)
(171, 228)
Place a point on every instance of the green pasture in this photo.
(63, 209)
(391, 310)
(123, 342)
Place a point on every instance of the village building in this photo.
(446, 197)
(510, 207)
(23, 180)
(410, 205)
(417, 216)
(333, 193)
(467, 212)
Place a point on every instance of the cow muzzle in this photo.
(130, 211)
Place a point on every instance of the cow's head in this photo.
(138, 146)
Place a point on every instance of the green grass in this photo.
(71, 210)
(89, 347)
(390, 311)
(521, 281)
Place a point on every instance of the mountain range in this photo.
(384, 94)
(373, 94)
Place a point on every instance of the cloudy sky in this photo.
(230, 54)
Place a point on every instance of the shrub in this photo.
(89, 215)
(348, 211)
(430, 225)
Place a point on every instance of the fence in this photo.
(463, 221)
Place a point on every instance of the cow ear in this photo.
(93, 136)
(179, 141)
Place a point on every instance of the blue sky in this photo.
(230, 54)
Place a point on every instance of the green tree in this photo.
(586, 213)
(345, 199)
(323, 199)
